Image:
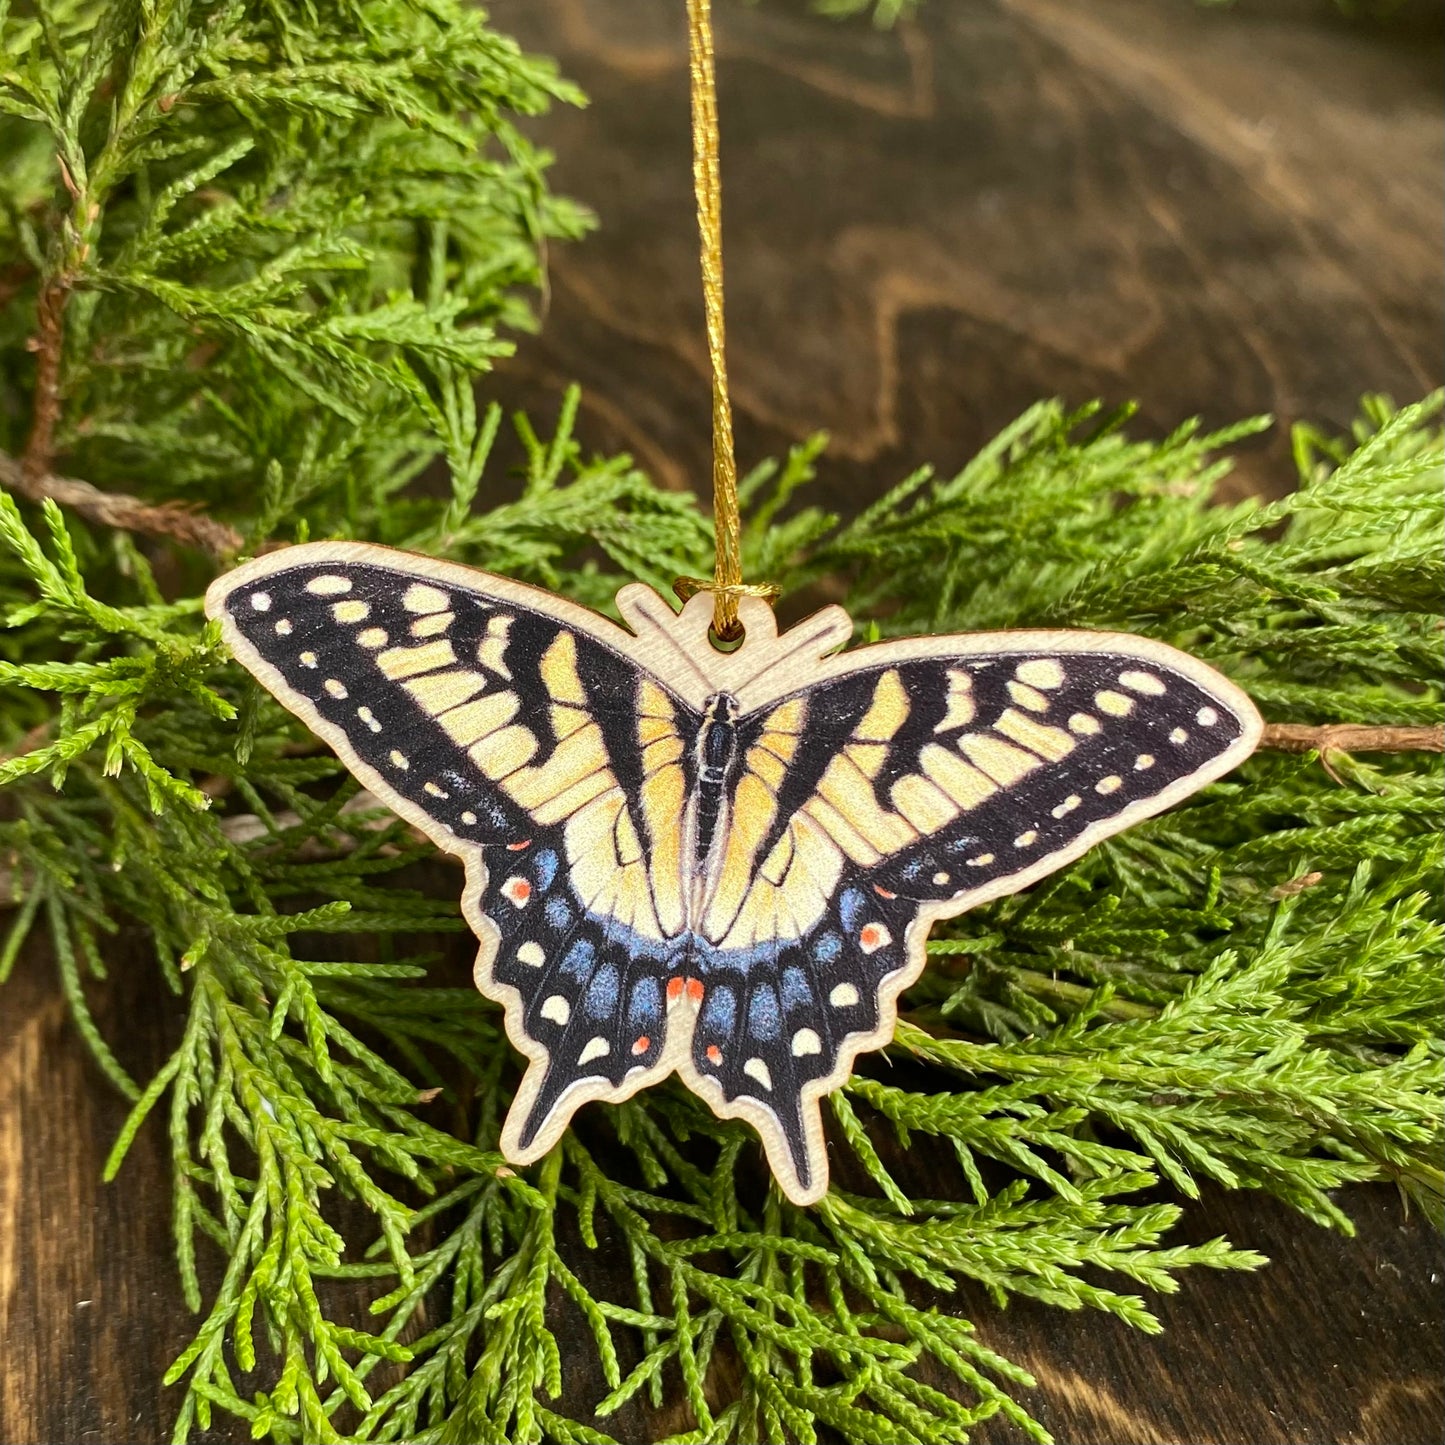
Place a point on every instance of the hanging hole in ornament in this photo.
(727, 643)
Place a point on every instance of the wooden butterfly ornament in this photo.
(720, 864)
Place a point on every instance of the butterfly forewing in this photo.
(950, 779)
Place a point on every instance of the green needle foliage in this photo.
(264, 250)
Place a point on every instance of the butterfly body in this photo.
(722, 865)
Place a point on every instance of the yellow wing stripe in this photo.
(960, 706)
(925, 805)
(502, 752)
(559, 671)
(1003, 762)
(749, 820)
(440, 691)
(576, 758)
(1052, 744)
(474, 721)
(661, 802)
(605, 864)
(964, 783)
(492, 649)
(402, 662)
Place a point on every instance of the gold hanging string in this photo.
(727, 584)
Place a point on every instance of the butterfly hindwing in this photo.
(775, 1018)
(594, 991)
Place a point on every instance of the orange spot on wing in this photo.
(714, 1054)
(674, 990)
(883, 892)
(517, 847)
(694, 989)
(871, 936)
(642, 1045)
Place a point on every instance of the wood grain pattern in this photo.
(1207, 209)
(928, 229)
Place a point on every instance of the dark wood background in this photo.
(1220, 211)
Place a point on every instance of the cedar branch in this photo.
(48, 344)
(1353, 738)
(170, 520)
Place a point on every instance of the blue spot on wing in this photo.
(795, 990)
(546, 868)
(577, 961)
(644, 1007)
(601, 998)
(764, 1020)
(852, 905)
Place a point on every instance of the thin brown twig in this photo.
(47, 344)
(33, 476)
(171, 520)
(1353, 738)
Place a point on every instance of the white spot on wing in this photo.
(1029, 697)
(369, 718)
(372, 637)
(421, 598)
(435, 791)
(1067, 806)
(1040, 672)
(336, 687)
(1108, 785)
(328, 585)
(261, 601)
(1026, 839)
(1179, 736)
(1207, 717)
(844, 995)
(308, 659)
(531, 954)
(1143, 762)
(1144, 682)
(1083, 724)
(283, 627)
(350, 611)
(757, 1069)
(469, 817)
(806, 1042)
(400, 760)
(1113, 703)
(432, 625)
(597, 1048)
(556, 1009)
(982, 861)
(491, 651)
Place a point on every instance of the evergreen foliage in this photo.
(267, 248)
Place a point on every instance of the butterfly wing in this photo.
(516, 731)
(903, 791)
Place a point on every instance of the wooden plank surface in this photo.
(1209, 210)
